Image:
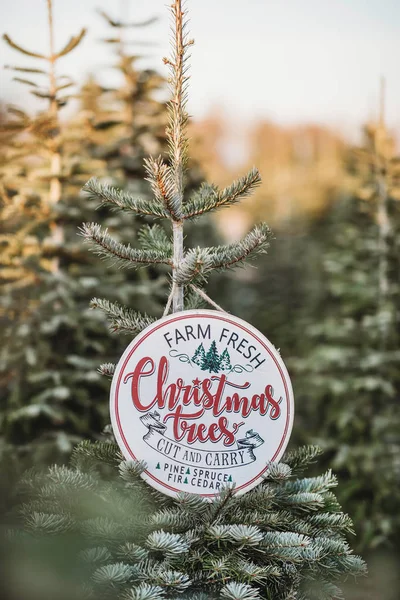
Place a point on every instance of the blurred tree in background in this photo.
(51, 341)
(349, 374)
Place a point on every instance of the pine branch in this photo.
(194, 267)
(154, 238)
(198, 262)
(145, 591)
(162, 184)
(73, 42)
(25, 81)
(122, 319)
(26, 70)
(102, 244)
(178, 116)
(176, 134)
(168, 543)
(239, 591)
(255, 242)
(130, 470)
(110, 196)
(209, 198)
(11, 43)
(101, 452)
(320, 484)
(109, 20)
(107, 369)
(145, 23)
(302, 457)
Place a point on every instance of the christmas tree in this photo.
(100, 521)
(283, 539)
(352, 355)
(199, 356)
(211, 360)
(37, 293)
(52, 396)
(225, 361)
(134, 123)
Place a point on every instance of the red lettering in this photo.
(175, 396)
(140, 371)
(275, 406)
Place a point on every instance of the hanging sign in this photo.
(205, 400)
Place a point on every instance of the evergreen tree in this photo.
(349, 377)
(36, 297)
(211, 360)
(225, 361)
(199, 356)
(135, 120)
(54, 398)
(284, 539)
(100, 521)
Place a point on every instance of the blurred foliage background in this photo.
(327, 294)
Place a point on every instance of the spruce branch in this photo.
(179, 78)
(155, 238)
(25, 81)
(121, 25)
(176, 133)
(168, 543)
(162, 184)
(198, 262)
(72, 43)
(102, 244)
(239, 591)
(209, 198)
(194, 267)
(145, 591)
(144, 23)
(104, 452)
(193, 299)
(32, 71)
(107, 369)
(234, 547)
(11, 43)
(302, 457)
(39, 523)
(122, 319)
(319, 485)
(254, 243)
(117, 199)
(131, 470)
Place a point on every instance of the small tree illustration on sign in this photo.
(225, 361)
(211, 361)
(199, 356)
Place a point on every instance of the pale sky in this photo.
(292, 61)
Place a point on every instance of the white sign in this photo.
(205, 400)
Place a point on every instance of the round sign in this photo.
(205, 400)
